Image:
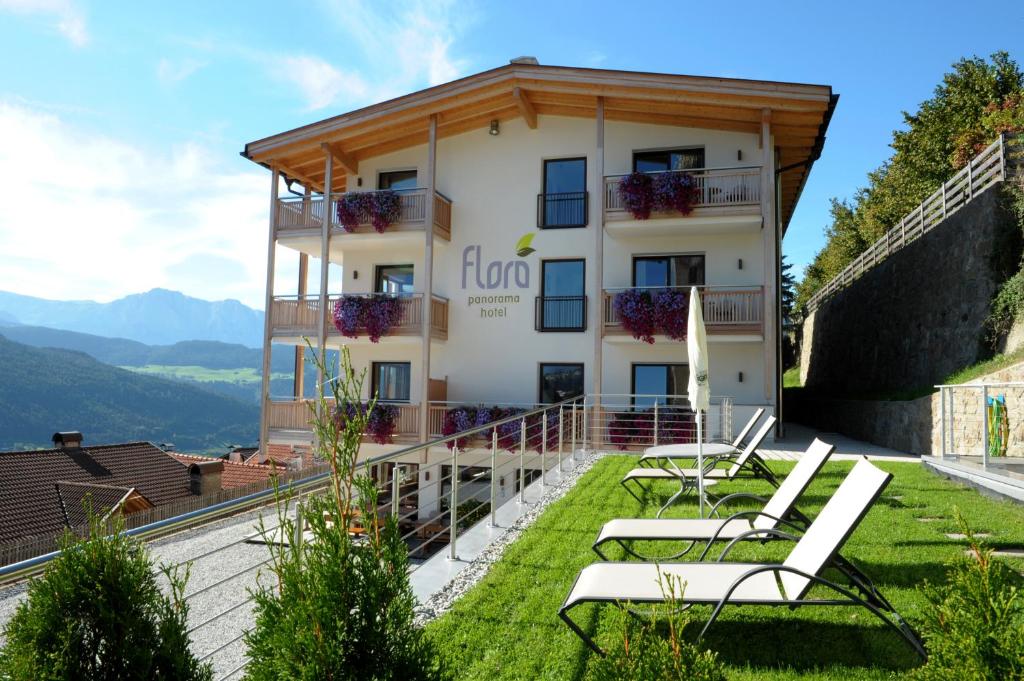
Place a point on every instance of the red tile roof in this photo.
(234, 474)
(29, 501)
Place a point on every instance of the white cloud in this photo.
(69, 17)
(95, 217)
(405, 49)
(170, 71)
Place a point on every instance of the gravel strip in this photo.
(442, 601)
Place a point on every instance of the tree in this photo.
(975, 101)
(98, 613)
(788, 290)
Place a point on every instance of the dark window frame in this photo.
(395, 171)
(542, 200)
(375, 377)
(670, 150)
(667, 256)
(632, 377)
(540, 377)
(377, 272)
(539, 316)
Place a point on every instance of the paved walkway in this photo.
(798, 438)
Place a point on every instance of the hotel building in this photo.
(505, 238)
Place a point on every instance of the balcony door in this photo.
(390, 381)
(562, 305)
(668, 159)
(393, 279)
(661, 383)
(564, 201)
(397, 180)
(668, 270)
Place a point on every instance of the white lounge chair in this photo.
(746, 465)
(779, 512)
(787, 584)
(719, 448)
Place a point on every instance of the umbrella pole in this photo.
(700, 465)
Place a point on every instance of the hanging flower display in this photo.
(675, 191)
(635, 311)
(381, 421)
(675, 426)
(670, 312)
(637, 193)
(377, 314)
(381, 209)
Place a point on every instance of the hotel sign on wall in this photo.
(496, 278)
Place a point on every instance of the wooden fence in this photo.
(985, 170)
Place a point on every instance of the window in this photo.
(562, 305)
(391, 381)
(668, 159)
(668, 270)
(560, 382)
(564, 201)
(397, 179)
(393, 279)
(660, 380)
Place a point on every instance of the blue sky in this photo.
(121, 122)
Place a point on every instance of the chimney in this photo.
(524, 60)
(204, 478)
(67, 439)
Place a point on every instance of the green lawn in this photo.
(791, 378)
(507, 626)
(202, 374)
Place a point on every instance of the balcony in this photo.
(568, 209)
(728, 199)
(293, 317)
(294, 416)
(560, 313)
(733, 312)
(297, 217)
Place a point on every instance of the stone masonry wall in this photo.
(917, 316)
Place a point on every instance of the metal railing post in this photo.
(984, 427)
(394, 491)
(299, 525)
(494, 478)
(561, 420)
(655, 421)
(522, 461)
(453, 509)
(586, 433)
(573, 445)
(942, 422)
(544, 449)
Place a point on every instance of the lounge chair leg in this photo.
(631, 492)
(563, 613)
(598, 551)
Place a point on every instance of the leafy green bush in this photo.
(99, 613)
(644, 652)
(974, 626)
(341, 606)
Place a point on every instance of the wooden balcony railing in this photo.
(727, 310)
(296, 214)
(295, 415)
(717, 187)
(300, 315)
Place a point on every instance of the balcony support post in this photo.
(598, 197)
(267, 317)
(325, 266)
(770, 246)
(428, 276)
(302, 289)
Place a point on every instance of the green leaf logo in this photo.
(523, 248)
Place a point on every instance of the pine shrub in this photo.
(340, 606)
(99, 613)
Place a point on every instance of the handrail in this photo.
(690, 170)
(984, 170)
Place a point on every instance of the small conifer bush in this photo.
(98, 612)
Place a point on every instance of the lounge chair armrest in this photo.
(762, 514)
(737, 495)
(766, 532)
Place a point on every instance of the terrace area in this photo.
(294, 317)
(299, 216)
(728, 311)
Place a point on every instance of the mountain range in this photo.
(157, 317)
(48, 389)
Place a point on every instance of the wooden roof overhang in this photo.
(799, 116)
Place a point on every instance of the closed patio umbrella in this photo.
(698, 387)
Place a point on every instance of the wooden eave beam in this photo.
(526, 109)
(343, 158)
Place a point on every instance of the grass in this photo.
(791, 378)
(202, 374)
(507, 627)
(987, 366)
